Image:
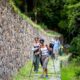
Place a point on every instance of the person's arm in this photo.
(49, 48)
(34, 49)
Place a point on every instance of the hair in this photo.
(41, 41)
(36, 38)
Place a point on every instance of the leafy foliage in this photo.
(75, 46)
(70, 19)
(61, 14)
(71, 72)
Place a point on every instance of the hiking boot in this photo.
(46, 76)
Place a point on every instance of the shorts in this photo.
(45, 60)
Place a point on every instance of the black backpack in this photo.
(51, 46)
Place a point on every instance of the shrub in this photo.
(43, 26)
(71, 72)
(75, 46)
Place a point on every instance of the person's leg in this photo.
(56, 52)
(34, 62)
(45, 66)
(55, 55)
(52, 56)
(46, 72)
(37, 63)
(42, 61)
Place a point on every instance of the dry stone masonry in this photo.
(16, 37)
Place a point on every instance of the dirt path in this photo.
(54, 70)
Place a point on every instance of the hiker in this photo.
(61, 51)
(51, 45)
(36, 46)
(44, 57)
(56, 47)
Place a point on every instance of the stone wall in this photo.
(16, 37)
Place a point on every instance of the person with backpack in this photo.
(50, 48)
(36, 46)
(44, 57)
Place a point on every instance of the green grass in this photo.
(38, 27)
(23, 72)
(69, 72)
(53, 32)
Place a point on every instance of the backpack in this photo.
(51, 46)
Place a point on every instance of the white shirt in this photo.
(35, 46)
(56, 44)
(44, 51)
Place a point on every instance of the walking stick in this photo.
(31, 67)
(31, 71)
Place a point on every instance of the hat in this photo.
(41, 40)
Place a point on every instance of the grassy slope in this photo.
(23, 72)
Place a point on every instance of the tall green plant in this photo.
(75, 46)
